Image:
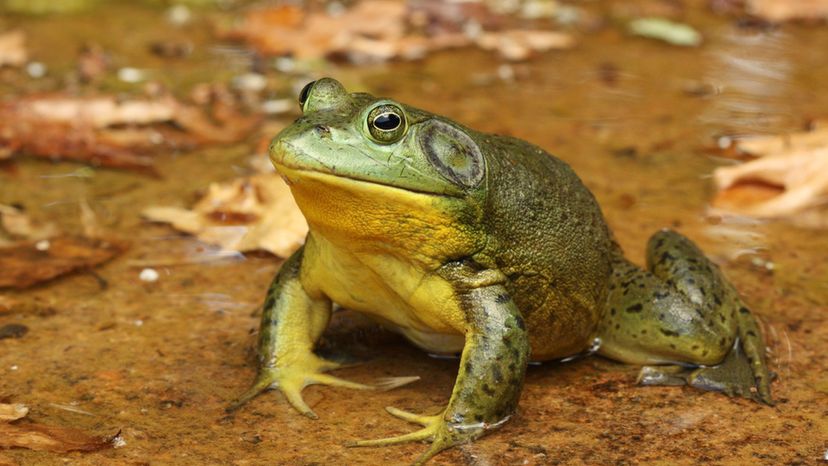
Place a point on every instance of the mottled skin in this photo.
(485, 245)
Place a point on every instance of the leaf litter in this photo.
(33, 253)
(16, 432)
(382, 30)
(13, 49)
(786, 177)
(249, 213)
(106, 131)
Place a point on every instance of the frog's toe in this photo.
(734, 377)
(264, 380)
(291, 380)
(413, 418)
(430, 425)
(390, 383)
(662, 375)
(436, 429)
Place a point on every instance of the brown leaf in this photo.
(778, 11)
(519, 45)
(789, 177)
(105, 131)
(12, 412)
(16, 224)
(6, 304)
(381, 30)
(51, 438)
(246, 214)
(33, 262)
(12, 49)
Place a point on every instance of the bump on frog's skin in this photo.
(485, 245)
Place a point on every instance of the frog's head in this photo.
(368, 139)
(361, 166)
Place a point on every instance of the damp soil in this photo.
(105, 351)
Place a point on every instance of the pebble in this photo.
(13, 331)
(148, 275)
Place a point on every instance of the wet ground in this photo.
(159, 361)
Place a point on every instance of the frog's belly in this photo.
(421, 306)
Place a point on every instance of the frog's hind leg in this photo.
(683, 312)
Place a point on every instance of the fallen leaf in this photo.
(381, 30)
(41, 437)
(521, 44)
(12, 49)
(245, 214)
(7, 304)
(666, 31)
(788, 177)
(116, 133)
(29, 263)
(779, 11)
(12, 412)
(16, 225)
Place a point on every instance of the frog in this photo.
(484, 246)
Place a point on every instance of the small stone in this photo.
(36, 69)
(131, 75)
(148, 275)
(179, 15)
(13, 331)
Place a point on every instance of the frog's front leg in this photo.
(489, 382)
(292, 322)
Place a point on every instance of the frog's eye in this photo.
(303, 96)
(387, 124)
(453, 153)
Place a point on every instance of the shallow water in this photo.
(160, 360)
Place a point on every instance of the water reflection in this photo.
(753, 71)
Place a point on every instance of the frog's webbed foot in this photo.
(734, 376)
(436, 429)
(293, 378)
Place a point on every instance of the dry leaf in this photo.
(51, 438)
(381, 30)
(12, 412)
(6, 304)
(112, 133)
(30, 263)
(45, 438)
(786, 10)
(521, 44)
(789, 177)
(246, 214)
(16, 225)
(12, 49)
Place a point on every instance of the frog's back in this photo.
(551, 242)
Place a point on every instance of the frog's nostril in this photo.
(322, 131)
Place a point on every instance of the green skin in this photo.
(509, 243)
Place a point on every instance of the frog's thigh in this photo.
(684, 311)
(648, 322)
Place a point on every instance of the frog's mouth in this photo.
(294, 175)
(284, 152)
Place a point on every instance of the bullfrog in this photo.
(484, 246)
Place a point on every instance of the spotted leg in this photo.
(488, 384)
(682, 312)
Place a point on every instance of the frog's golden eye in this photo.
(387, 124)
(303, 96)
